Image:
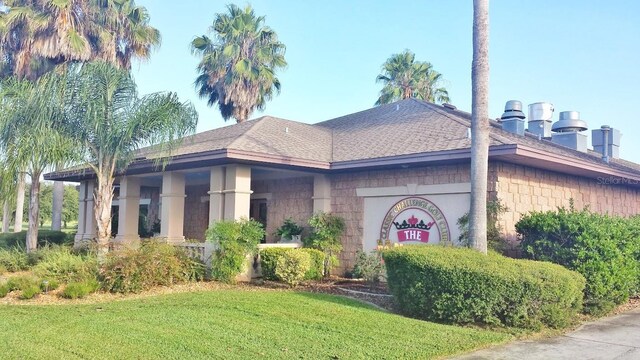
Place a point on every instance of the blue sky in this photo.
(579, 55)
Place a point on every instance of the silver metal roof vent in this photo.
(569, 122)
(513, 118)
(540, 115)
(606, 141)
(567, 131)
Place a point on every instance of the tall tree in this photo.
(238, 65)
(479, 126)
(7, 190)
(108, 122)
(29, 140)
(404, 78)
(37, 36)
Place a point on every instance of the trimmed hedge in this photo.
(605, 249)
(269, 259)
(463, 286)
(10, 240)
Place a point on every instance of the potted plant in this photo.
(289, 231)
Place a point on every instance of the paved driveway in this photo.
(616, 337)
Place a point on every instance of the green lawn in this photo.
(227, 324)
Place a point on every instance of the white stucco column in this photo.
(90, 230)
(237, 193)
(128, 211)
(321, 193)
(82, 213)
(172, 214)
(216, 194)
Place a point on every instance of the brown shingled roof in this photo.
(409, 127)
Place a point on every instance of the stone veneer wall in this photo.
(346, 204)
(196, 212)
(290, 197)
(523, 189)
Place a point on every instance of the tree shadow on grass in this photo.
(341, 300)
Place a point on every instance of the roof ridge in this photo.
(257, 123)
(435, 107)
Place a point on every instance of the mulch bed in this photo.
(355, 289)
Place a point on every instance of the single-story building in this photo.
(398, 172)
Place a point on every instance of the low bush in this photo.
(14, 260)
(368, 266)
(463, 286)
(4, 290)
(29, 292)
(79, 290)
(61, 264)
(2, 269)
(604, 249)
(316, 270)
(327, 229)
(22, 282)
(269, 258)
(292, 266)
(234, 240)
(153, 264)
(47, 285)
(45, 237)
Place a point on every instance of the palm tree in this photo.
(404, 78)
(108, 122)
(7, 189)
(28, 140)
(479, 126)
(37, 36)
(238, 65)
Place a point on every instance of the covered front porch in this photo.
(185, 203)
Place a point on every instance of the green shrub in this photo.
(369, 266)
(61, 264)
(268, 260)
(325, 236)
(4, 290)
(153, 264)
(288, 229)
(292, 266)
(22, 282)
(47, 285)
(602, 248)
(316, 270)
(45, 237)
(2, 269)
(29, 292)
(459, 285)
(79, 290)
(14, 260)
(234, 241)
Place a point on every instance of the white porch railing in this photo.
(204, 253)
(199, 251)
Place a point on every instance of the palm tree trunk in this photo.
(103, 201)
(34, 213)
(56, 213)
(17, 225)
(479, 126)
(6, 218)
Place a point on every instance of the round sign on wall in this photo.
(415, 220)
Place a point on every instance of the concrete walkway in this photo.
(616, 337)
